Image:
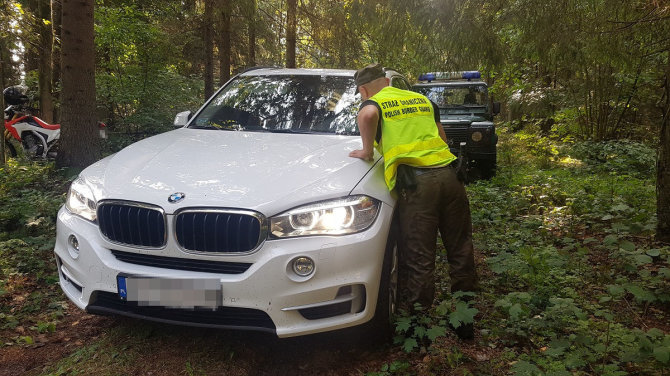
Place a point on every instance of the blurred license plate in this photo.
(173, 293)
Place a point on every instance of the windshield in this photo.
(291, 103)
(455, 96)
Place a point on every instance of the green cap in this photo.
(370, 73)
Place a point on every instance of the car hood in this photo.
(267, 172)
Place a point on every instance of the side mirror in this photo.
(496, 108)
(182, 118)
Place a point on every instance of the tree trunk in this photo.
(251, 25)
(44, 72)
(56, 24)
(291, 21)
(31, 56)
(189, 6)
(209, 49)
(79, 139)
(224, 42)
(663, 167)
(2, 97)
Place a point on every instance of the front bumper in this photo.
(268, 296)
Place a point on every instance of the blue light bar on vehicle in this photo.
(460, 75)
(427, 77)
(472, 74)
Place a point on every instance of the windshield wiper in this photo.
(201, 127)
(211, 127)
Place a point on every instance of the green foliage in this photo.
(396, 367)
(621, 157)
(423, 327)
(416, 330)
(26, 201)
(30, 195)
(573, 261)
(138, 83)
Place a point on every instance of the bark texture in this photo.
(224, 41)
(663, 168)
(2, 97)
(251, 25)
(44, 73)
(209, 49)
(291, 23)
(56, 22)
(79, 139)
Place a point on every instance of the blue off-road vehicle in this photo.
(466, 113)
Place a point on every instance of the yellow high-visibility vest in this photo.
(409, 134)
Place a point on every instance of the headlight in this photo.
(477, 136)
(80, 200)
(336, 217)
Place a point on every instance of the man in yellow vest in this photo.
(405, 126)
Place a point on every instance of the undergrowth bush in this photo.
(622, 157)
(30, 195)
(577, 284)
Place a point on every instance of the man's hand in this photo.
(367, 118)
(362, 154)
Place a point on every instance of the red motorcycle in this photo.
(37, 138)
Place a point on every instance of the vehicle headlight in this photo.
(477, 136)
(335, 217)
(80, 200)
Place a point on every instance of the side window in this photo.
(399, 82)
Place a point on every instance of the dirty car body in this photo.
(252, 216)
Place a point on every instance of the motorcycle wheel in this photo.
(32, 146)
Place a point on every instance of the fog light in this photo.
(73, 248)
(477, 136)
(303, 266)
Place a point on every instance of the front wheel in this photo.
(380, 328)
(32, 146)
(487, 168)
(481, 169)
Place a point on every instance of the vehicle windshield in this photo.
(457, 99)
(284, 103)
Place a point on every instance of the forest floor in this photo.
(572, 283)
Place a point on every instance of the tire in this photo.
(487, 168)
(32, 146)
(481, 169)
(380, 328)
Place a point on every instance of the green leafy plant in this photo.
(397, 367)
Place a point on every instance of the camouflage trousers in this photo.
(439, 202)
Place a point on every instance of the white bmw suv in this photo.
(250, 216)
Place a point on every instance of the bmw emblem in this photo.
(176, 197)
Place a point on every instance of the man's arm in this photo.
(440, 129)
(443, 135)
(368, 118)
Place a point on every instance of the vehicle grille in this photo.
(221, 232)
(132, 224)
(456, 135)
(223, 317)
(178, 263)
